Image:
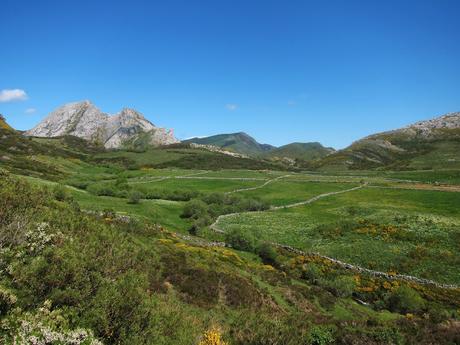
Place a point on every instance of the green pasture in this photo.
(407, 231)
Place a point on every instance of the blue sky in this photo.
(282, 71)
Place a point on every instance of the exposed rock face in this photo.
(399, 147)
(84, 120)
(427, 129)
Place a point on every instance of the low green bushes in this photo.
(405, 300)
(207, 207)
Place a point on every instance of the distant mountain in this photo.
(237, 142)
(243, 143)
(427, 144)
(84, 120)
(300, 151)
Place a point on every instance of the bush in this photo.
(312, 273)
(406, 300)
(240, 240)
(212, 337)
(199, 224)
(320, 335)
(195, 209)
(60, 193)
(342, 286)
(106, 189)
(267, 253)
(7, 300)
(135, 197)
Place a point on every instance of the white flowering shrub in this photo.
(45, 327)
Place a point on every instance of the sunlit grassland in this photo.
(198, 185)
(283, 192)
(414, 232)
(164, 212)
(447, 176)
(263, 174)
(151, 156)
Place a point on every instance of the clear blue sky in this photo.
(282, 71)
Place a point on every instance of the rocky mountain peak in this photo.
(450, 121)
(83, 119)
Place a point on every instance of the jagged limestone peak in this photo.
(83, 119)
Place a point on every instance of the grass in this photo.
(203, 186)
(414, 232)
(283, 192)
(164, 212)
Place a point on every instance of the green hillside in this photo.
(300, 151)
(181, 245)
(236, 142)
(116, 278)
(425, 145)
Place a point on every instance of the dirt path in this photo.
(258, 187)
(309, 201)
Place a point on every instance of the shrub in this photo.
(406, 300)
(312, 273)
(135, 197)
(195, 209)
(199, 224)
(60, 192)
(7, 300)
(212, 337)
(267, 253)
(342, 286)
(240, 240)
(106, 189)
(320, 335)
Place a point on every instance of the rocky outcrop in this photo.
(85, 120)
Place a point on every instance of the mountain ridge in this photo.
(243, 143)
(84, 120)
(413, 146)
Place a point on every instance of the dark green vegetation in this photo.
(132, 282)
(300, 152)
(236, 142)
(405, 231)
(247, 145)
(118, 243)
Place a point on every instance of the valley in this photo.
(243, 244)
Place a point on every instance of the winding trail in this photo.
(258, 187)
(215, 227)
(162, 178)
